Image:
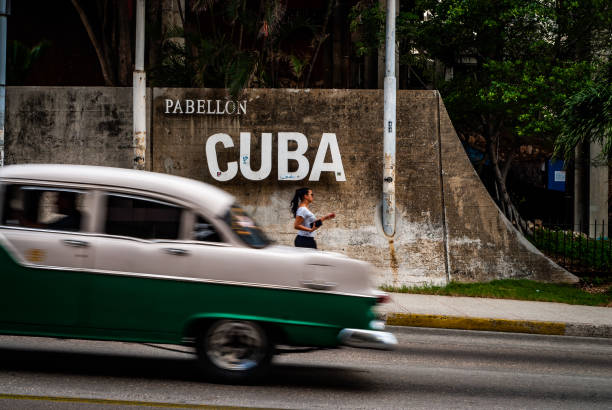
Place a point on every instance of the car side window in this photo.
(140, 217)
(205, 231)
(43, 207)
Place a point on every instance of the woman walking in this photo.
(305, 221)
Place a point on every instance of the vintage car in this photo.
(115, 254)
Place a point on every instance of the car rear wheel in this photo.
(234, 351)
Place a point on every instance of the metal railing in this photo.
(576, 247)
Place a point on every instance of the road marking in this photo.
(120, 402)
(470, 323)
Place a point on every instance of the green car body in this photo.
(161, 259)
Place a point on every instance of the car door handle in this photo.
(176, 251)
(75, 243)
(319, 285)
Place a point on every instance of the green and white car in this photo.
(115, 254)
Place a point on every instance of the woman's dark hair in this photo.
(297, 198)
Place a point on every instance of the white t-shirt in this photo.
(309, 219)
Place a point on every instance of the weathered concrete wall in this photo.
(417, 253)
(482, 243)
(71, 125)
(448, 227)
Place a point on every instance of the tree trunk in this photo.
(320, 39)
(105, 66)
(505, 201)
(124, 49)
(337, 63)
(191, 30)
(154, 32)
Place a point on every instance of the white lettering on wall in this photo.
(328, 140)
(211, 157)
(219, 107)
(177, 108)
(284, 155)
(245, 156)
(189, 107)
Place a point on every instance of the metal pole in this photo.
(140, 91)
(388, 200)
(4, 12)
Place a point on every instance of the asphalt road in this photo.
(430, 369)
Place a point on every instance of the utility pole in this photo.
(389, 127)
(140, 91)
(5, 9)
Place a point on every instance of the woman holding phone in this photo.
(305, 221)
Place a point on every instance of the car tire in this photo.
(234, 351)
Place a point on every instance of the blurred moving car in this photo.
(115, 254)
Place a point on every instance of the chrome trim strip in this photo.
(47, 188)
(367, 339)
(189, 279)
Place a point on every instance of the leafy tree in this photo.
(587, 117)
(514, 63)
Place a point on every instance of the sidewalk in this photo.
(500, 315)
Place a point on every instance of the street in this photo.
(430, 369)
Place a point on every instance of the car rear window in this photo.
(143, 218)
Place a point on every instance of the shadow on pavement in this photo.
(165, 368)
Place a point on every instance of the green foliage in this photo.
(515, 62)
(175, 69)
(587, 117)
(368, 19)
(517, 78)
(297, 66)
(20, 59)
(531, 93)
(244, 46)
(514, 289)
(572, 248)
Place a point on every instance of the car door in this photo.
(45, 247)
(130, 288)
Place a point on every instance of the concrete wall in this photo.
(448, 226)
(73, 125)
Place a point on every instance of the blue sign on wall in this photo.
(556, 175)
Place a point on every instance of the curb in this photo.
(499, 325)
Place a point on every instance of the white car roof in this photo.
(199, 193)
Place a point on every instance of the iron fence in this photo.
(577, 247)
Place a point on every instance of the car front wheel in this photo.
(234, 351)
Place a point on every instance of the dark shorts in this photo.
(305, 242)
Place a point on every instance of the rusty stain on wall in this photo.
(393, 262)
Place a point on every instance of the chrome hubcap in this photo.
(235, 345)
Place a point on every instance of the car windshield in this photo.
(245, 227)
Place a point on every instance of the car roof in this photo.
(199, 193)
